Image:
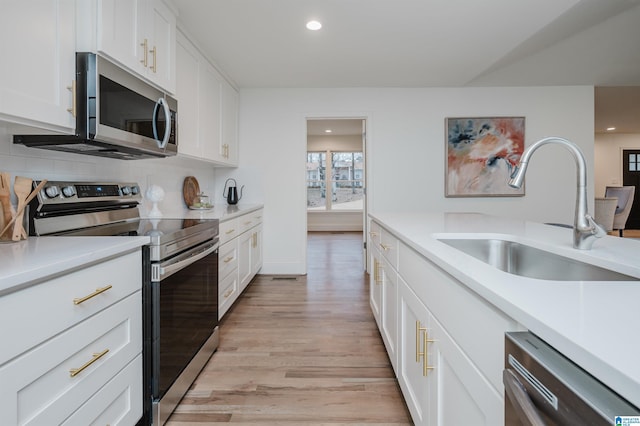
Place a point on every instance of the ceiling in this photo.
(422, 43)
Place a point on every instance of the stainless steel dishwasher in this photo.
(543, 387)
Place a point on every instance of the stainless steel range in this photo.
(180, 274)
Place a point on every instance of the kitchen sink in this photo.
(526, 261)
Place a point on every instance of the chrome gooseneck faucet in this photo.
(585, 229)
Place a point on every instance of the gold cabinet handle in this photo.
(72, 89)
(422, 334)
(379, 266)
(254, 240)
(145, 50)
(96, 356)
(385, 247)
(155, 54)
(230, 231)
(228, 293)
(373, 233)
(98, 291)
(248, 222)
(229, 259)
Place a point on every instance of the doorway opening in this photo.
(336, 176)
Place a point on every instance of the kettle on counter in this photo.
(232, 192)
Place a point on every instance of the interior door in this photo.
(631, 176)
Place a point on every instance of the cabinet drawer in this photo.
(228, 230)
(37, 313)
(228, 259)
(37, 387)
(389, 247)
(249, 220)
(119, 402)
(227, 293)
(374, 235)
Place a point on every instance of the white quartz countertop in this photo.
(31, 260)
(594, 323)
(222, 213)
(26, 262)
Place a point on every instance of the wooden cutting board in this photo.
(190, 190)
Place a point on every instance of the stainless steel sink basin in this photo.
(523, 260)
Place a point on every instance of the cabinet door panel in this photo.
(38, 54)
(162, 66)
(389, 316)
(119, 31)
(418, 389)
(464, 395)
(375, 285)
(209, 112)
(187, 89)
(244, 257)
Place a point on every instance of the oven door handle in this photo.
(166, 271)
(520, 401)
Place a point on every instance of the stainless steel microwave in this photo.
(118, 115)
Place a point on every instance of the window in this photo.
(634, 162)
(337, 185)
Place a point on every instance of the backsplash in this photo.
(169, 173)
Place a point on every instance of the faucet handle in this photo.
(597, 230)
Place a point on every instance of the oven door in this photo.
(184, 317)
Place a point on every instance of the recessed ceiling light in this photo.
(609, 129)
(314, 25)
(328, 131)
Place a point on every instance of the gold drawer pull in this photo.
(96, 356)
(373, 233)
(385, 247)
(248, 222)
(229, 259)
(230, 231)
(98, 291)
(228, 293)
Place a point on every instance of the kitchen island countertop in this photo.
(594, 323)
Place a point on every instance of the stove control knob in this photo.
(51, 191)
(69, 191)
(125, 190)
(135, 190)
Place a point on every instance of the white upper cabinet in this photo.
(37, 47)
(138, 34)
(208, 118)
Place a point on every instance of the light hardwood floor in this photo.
(300, 350)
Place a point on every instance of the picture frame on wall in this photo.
(481, 153)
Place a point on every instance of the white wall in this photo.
(608, 158)
(405, 152)
(169, 173)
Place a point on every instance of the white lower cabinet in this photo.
(80, 358)
(389, 311)
(440, 383)
(240, 257)
(445, 342)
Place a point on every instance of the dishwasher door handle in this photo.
(520, 401)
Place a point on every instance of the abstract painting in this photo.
(481, 154)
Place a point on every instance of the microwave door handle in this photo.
(519, 399)
(169, 270)
(167, 119)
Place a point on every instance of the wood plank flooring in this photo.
(300, 350)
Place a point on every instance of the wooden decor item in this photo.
(190, 190)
